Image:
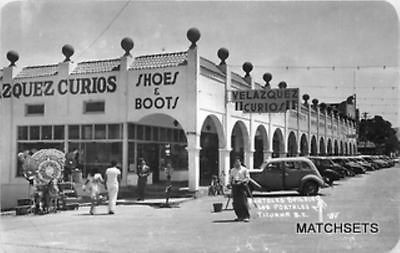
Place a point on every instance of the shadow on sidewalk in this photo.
(88, 214)
(225, 221)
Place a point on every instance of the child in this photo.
(93, 184)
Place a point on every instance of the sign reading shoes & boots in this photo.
(155, 81)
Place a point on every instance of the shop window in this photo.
(182, 137)
(94, 107)
(34, 109)
(34, 132)
(169, 134)
(100, 131)
(73, 132)
(163, 134)
(147, 133)
(131, 131)
(47, 133)
(114, 131)
(155, 133)
(22, 133)
(140, 132)
(86, 132)
(176, 135)
(58, 132)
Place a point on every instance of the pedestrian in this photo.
(143, 172)
(239, 179)
(168, 170)
(93, 184)
(113, 177)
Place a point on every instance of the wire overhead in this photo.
(105, 29)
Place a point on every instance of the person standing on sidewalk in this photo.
(113, 176)
(143, 172)
(239, 178)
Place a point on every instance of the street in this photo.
(194, 227)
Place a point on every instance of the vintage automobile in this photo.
(350, 165)
(296, 173)
(326, 169)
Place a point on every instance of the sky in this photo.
(328, 49)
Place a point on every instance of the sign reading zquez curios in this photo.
(155, 81)
(72, 86)
(264, 101)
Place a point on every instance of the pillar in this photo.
(224, 163)
(249, 158)
(125, 164)
(193, 149)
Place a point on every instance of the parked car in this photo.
(354, 167)
(295, 173)
(368, 166)
(378, 163)
(325, 168)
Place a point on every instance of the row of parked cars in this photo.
(308, 174)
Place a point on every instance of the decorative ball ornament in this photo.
(223, 54)
(306, 97)
(267, 77)
(247, 68)
(127, 45)
(282, 85)
(193, 35)
(315, 101)
(13, 57)
(67, 51)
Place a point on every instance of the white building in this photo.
(169, 106)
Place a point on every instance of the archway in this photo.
(239, 141)
(314, 148)
(354, 149)
(278, 143)
(329, 147)
(322, 147)
(260, 145)
(335, 148)
(346, 148)
(211, 139)
(303, 145)
(292, 144)
(159, 139)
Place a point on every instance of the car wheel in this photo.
(310, 188)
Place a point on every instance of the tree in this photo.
(380, 132)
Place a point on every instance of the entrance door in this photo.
(151, 153)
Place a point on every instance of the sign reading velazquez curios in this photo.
(264, 101)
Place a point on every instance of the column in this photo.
(249, 158)
(224, 164)
(193, 149)
(125, 164)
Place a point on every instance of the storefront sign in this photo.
(72, 86)
(155, 81)
(264, 101)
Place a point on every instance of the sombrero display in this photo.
(49, 164)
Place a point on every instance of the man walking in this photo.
(113, 176)
(143, 172)
(239, 178)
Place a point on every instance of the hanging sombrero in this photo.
(50, 164)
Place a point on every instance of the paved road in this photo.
(193, 227)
